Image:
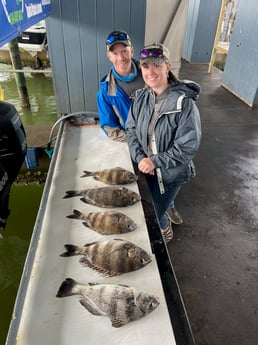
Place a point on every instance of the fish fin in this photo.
(115, 250)
(76, 215)
(72, 193)
(88, 200)
(87, 224)
(84, 200)
(105, 273)
(118, 323)
(92, 308)
(66, 287)
(90, 244)
(87, 173)
(123, 285)
(71, 250)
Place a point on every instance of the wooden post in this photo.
(19, 77)
(214, 50)
(1, 93)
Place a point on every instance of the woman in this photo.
(163, 131)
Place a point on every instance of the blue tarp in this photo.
(18, 15)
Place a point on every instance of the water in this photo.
(25, 199)
(42, 109)
(14, 246)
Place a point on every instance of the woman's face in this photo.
(156, 76)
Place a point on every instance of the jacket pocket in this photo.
(179, 175)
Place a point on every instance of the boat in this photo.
(32, 40)
(32, 44)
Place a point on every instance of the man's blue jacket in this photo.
(113, 107)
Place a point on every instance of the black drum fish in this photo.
(106, 196)
(106, 223)
(121, 303)
(110, 258)
(112, 176)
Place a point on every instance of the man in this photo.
(118, 86)
(13, 148)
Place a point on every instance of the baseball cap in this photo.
(118, 36)
(156, 53)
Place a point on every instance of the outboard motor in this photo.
(13, 148)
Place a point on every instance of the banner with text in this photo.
(18, 15)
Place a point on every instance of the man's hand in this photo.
(116, 134)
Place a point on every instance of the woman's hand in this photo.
(146, 166)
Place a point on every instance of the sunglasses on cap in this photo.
(151, 52)
(117, 36)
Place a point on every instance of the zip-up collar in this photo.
(111, 80)
(152, 144)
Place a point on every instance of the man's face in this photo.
(121, 58)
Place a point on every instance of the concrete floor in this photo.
(215, 251)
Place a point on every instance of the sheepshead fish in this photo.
(110, 258)
(121, 303)
(106, 196)
(106, 223)
(112, 176)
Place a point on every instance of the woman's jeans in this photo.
(162, 201)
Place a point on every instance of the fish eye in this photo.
(153, 303)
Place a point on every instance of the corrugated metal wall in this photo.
(240, 74)
(200, 31)
(76, 36)
(241, 70)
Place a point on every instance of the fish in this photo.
(110, 258)
(112, 176)
(121, 303)
(106, 223)
(106, 196)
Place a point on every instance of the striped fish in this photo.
(106, 223)
(106, 196)
(112, 176)
(121, 303)
(110, 258)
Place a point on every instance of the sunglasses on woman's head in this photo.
(151, 52)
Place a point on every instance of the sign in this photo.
(18, 15)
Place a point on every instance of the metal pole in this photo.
(19, 77)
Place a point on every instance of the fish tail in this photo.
(72, 193)
(66, 288)
(87, 173)
(71, 250)
(76, 215)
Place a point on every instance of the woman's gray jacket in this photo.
(176, 134)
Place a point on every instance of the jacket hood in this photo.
(188, 87)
